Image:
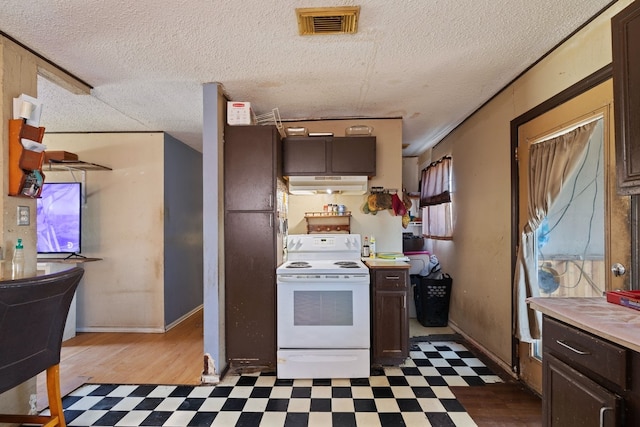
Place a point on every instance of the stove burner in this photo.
(299, 264)
(347, 264)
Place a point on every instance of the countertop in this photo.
(613, 322)
(385, 263)
(7, 277)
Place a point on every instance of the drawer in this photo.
(393, 279)
(585, 351)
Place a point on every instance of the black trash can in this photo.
(432, 298)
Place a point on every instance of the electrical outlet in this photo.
(23, 215)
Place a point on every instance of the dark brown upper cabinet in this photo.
(625, 28)
(329, 156)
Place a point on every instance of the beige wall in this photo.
(123, 225)
(479, 257)
(386, 227)
(17, 75)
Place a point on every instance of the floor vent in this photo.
(328, 20)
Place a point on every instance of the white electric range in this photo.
(323, 308)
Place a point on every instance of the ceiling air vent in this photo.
(328, 20)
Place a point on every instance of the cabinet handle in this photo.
(271, 200)
(575, 350)
(393, 277)
(602, 411)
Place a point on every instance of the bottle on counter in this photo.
(365, 248)
(17, 263)
(372, 247)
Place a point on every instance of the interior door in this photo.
(585, 269)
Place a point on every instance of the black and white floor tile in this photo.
(414, 394)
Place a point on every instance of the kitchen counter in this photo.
(613, 322)
(385, 263)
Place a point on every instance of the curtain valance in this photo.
(436, 180)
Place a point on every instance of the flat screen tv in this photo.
(58, 218)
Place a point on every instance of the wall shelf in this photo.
(325, 222)
(74, 260)
(64, 165)
(25, 166)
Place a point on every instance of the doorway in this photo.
(586, 228)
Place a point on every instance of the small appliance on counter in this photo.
(412, 243)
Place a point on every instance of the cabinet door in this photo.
(250, 264)
(250, 167)
(353, 156)
(572, 399)
(390, 335)
(305, 156)
(625, 28)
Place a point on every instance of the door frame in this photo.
(580, 87)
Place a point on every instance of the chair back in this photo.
(33, 312)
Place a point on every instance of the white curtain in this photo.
(435, 200)
(550, 164)
(437, 221)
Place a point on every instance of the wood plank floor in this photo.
(175, 357)
(501, 405)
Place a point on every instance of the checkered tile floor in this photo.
(414, 394)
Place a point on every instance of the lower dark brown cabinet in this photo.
(586, 379)
(575, 400)
(389, 315)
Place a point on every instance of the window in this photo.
(435, 200)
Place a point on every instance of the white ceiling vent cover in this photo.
(328, 20)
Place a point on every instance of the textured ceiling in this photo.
(431, 62)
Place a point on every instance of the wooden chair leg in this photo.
(55, 405)
(54, 395)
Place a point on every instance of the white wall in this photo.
(410, 174)
(386, 227)
(479, 257)
(123, 225)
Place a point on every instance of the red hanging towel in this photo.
(397, 205)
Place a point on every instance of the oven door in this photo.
(323, 314)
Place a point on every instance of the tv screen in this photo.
(58, 218)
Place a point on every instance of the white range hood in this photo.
(310, 185)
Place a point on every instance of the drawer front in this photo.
(587, 351)
(392, 279)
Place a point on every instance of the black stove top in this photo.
(347, 264)
(298, 264)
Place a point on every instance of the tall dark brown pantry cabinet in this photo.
(253, 223)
